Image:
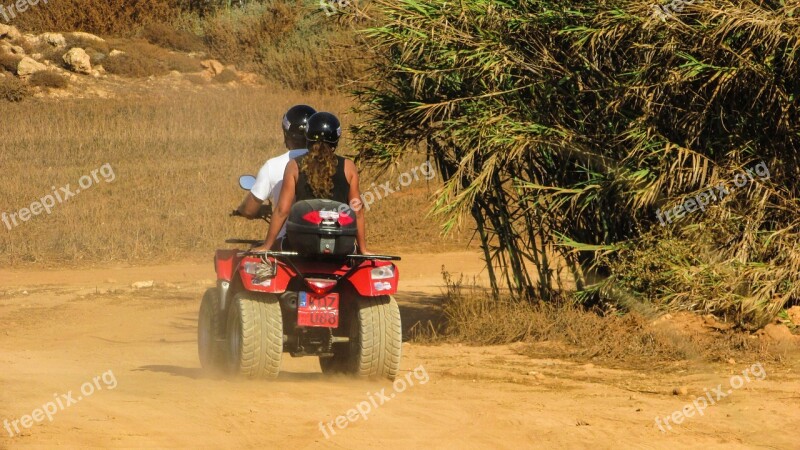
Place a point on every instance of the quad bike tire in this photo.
(376, 339)
(255, 336)
(210, 348)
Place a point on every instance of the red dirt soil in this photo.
(61, 328)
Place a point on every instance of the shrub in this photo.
(195, 78)
(12, 89)
(281, 41)
(117, 17)
(227, 76)
(52, 54)
(471, 315)
(244, 32)
(183, 63)
(74, 40)
(167, 36)
(49, 79)
(564, 128)
(96, 56)
(142, 59)
(9, 62)
(134, 66)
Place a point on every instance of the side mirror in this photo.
(247, 182)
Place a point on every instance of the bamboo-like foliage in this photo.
(561, 127)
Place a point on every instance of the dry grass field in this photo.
(176, 158)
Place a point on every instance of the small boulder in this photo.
(31, 39)
(779, 334)
(77, 60)
(29, 66)
(87, 37)
(9, 32)
(680, 390)
(794, 315)
(114, 53)
(249, 78)
(213, 66)
(54, 39)
(11, 48)
(143, 284)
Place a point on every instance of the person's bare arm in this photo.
(285, 201)
(250, 207)
(354, 200)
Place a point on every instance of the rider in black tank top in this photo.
(341, 188)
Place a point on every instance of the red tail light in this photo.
(320, 286)
(317, 217)
(345, 220)
(313, 217)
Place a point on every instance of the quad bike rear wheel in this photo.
(210, 347)
(255, 335)
(376, 339)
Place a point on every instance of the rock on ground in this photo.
(89, 37)
(143, 284)
(78, 60)
(28, 66)
(794, 315)
(779, 334)
(54, 39)
(213, 66)
(9, 32)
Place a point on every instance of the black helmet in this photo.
(325, 127)
(296, 119)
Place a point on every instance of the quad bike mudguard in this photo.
(230, 265)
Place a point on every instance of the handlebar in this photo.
(267, 253)
(375, 257)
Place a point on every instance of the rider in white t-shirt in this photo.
(270, 177)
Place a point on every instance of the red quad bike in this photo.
(321, 299)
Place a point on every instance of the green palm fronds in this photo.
(561, 127)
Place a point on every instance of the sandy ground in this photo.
(62, 328)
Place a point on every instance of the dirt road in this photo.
(134, 353)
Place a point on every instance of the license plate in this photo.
(318, 310)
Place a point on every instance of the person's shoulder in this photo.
(282, 158)
(293, 166)
(350, 168)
